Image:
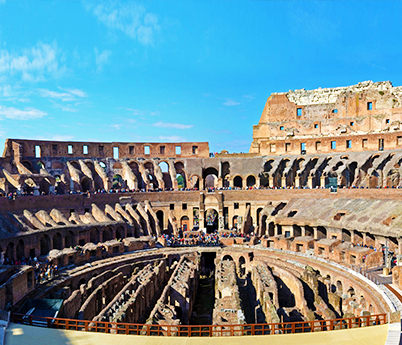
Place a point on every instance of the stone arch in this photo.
(210, 176)
(263, 225)
(321, 232)
(271, 229)
(86, 184)
(351, 292)
(258, 215)
(148, 165)
(234, 222)
(20, 250)
(117, 182)
(94, 236)
(339, 287)
(136, 171)
(10, 251)
(75, 165)
(227, 257)
(238, 181)
(164, 166)
(211, 220)
(225, 173)
(242, 266)
(107, 235)
(309, 230)
(346, 236)
(28, 165)
(194, 181)
(251, 181)
(57, 241)
(296, 230)
(185, 223)
(44, 245)
(180, 171)
(120, 233)
(159, 216)
(278, 176)
(69, 239)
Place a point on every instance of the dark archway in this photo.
(159, 216)
(119, 233)
(10, 251)
(20, 250)
(107, 235)
(69, 239)
(238, 182)
(211, 220)
(296, 230)
(321, 232)
(212, 179)
(117, 182)
(94, 236)
(57, 241)
(185, 223)
(44, 245)
(242, 266)
(250, 181)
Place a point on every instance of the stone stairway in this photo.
(394, 334)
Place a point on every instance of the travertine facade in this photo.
(361, 117)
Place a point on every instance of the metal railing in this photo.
(204, 330)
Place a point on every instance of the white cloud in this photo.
(32, 64)
(172, 138)
(101, 58)
(77, 92)
(162, 124)
(130, 18)
(230, 103)
(7, 91)
(116, 126)
(17, 114)
(67, 96)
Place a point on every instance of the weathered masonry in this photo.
(361, 117)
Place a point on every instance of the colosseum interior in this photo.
(303, 228)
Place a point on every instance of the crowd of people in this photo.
(200, 239)
(14, 195)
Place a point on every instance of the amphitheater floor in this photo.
(20, 334)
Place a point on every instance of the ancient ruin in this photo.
(169, 234)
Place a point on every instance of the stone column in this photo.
(271, 181)
(297, 181)
(315, 233)
(220, 182)
(310, 182)
(364, 238)
(352, 236)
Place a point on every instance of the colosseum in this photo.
(104, 242)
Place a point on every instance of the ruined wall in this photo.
(363, 113)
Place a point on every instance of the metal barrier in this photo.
(204, 330)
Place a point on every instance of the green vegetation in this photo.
(180, 181)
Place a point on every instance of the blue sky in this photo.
(180, 70)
